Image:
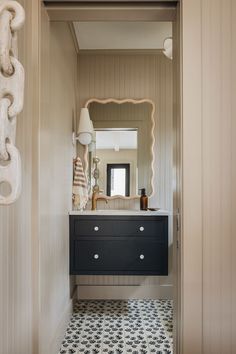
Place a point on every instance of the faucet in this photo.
(96, 196)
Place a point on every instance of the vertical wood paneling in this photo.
(34, 282)
(123, 75)
(209, 282)
(191, 295)
(217, 176)
(136, 76)
(232, 94)
(177, 181)
(59, 72)
(17, 323)
(226, 177)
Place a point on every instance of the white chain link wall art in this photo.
(12, 17)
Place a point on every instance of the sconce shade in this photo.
(168, 48)
(92, 145)
(84, 138)
(85, 130)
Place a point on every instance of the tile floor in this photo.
(119, 327)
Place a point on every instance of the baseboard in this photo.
(74, 295)
(124, 292)
(61, 328)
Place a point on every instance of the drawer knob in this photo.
(96, 228)
(141, 228)
(96, 256)
(141, 256)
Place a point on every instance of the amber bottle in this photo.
(143, 200)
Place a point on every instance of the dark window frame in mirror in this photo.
(113, 166)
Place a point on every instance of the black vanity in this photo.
(118, 244)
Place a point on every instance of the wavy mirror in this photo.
(120, 157)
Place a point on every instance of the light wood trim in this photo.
(121, 51)
(191, 245)
(233, 173)
(127, 100)
(177, 179)
(68, 12)
(108, 292)
(72, 30)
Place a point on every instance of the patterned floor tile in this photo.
(119, 327)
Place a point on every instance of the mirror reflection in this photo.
(117, 151)
(120, 155)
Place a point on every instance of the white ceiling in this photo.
(122, 35)
(116, 139)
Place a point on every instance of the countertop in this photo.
(121, 212)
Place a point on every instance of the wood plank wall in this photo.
(126, 75)
(208, 303)
(58, 105)
(18, 324)
(34, 282)
(209, 165)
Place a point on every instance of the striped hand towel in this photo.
(80, 187)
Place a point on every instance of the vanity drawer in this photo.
(119, 226)
(88, 227)
(133, 255)
(142, 227)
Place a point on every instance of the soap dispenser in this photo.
(143, 200)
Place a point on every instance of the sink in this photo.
(120, 212)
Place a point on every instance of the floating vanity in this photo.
(119, 242)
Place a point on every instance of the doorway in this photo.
(91, 14)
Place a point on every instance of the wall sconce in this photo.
(85, 130)
(92, 145)
(168, 48)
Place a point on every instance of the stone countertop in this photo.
(124, 212)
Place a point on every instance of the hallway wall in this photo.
(209, 175)
(34, 283)
(18, 231)
(58, 92)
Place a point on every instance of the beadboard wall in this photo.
(34, 282)
(18, 234)
(133, 75)
(58, 104)
(209, 176)
(208, 283)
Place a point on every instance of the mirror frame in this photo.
(120, 101)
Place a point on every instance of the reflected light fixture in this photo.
(168, 48)
(85, 130)
(92, 145)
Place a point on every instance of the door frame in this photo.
(150, 12)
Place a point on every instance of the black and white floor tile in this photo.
(119, 327)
